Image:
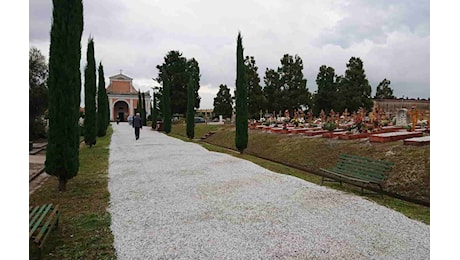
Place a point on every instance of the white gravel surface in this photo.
(171, 199)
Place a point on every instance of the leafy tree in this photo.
(241, 99)
(354, 89)
(272, 91)
(294, 91)
(64, 86)
(38, 93)
(175, 65)
(190, 107)
(256, 99)
(102, 104)
(223, 103)
(166, 101)
(326, 96)
(90, 96)
(384, 90)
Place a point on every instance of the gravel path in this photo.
(171, 199)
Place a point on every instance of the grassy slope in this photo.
(84, 227)
(410, 176)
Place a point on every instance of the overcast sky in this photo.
(392, 37)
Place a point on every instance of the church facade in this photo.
(123, 97)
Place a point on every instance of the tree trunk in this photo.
(62, 184)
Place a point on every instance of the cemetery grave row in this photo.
(409, 125)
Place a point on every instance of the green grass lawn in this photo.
(84, 226)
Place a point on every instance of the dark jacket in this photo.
(137, 122)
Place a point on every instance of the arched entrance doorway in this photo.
(120, 110)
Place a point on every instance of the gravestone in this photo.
(221, 119)
(402, 117)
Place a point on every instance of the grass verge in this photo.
(84, 226)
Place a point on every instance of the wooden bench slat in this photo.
(370, 163)
(37, 219)
(32, 211)
(373, 175)
(349, 173)
(47, 227)
(42, 219)
(345, 176)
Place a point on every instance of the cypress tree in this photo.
(64, 86)
(139, 106)
(90, 96)
(241, 95)
(167, 104)
(144, 112)
(102, 104)
(107, 110)
(154, 112)
(190, 109)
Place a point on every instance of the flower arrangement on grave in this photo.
(329, 126)
(295, 122)
(358, 126)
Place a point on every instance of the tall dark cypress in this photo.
(64, 86)
(154, 112)
(167, 115)
(90, 96)
(144, 112)
(190, 109)
(139, 102)
(102, 104)
(241, 119)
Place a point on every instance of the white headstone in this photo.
(220, 119)
(402, 118)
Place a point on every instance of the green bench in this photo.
(363, 170)
(42, 219)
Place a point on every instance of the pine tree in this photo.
(241, 95)
(354, 89)
(64, 86)
(175, 65)
(256, 99)
(272, 91)
(102, 104)
(294, 91)
(223, 103)
(90, 96)
(326, 96)
(384, 90)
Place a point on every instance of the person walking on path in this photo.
(137, 124)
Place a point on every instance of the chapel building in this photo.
(123, 98)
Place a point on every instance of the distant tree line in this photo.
(286, 88)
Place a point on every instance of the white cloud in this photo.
(391, 37)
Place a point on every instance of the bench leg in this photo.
(381, 191)
(323, 179)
